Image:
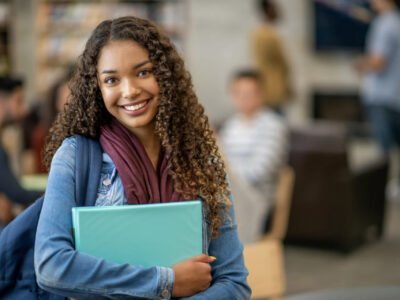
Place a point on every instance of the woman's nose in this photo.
(130, 89)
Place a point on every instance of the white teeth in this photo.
(135, 107)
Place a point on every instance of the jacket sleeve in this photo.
(228, 270)
(62, 270)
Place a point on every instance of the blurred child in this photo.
(254, 142)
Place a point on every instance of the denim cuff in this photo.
(166, 282)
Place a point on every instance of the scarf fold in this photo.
(142, 183)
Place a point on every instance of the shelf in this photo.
(4, 38)
(63, 27)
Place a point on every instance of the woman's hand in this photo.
(192, 275)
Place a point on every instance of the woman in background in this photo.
(270, 58)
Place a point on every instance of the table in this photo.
(359, 293)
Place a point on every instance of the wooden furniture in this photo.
(281, 210)
(34, 182)
(5, 15)
(359, 293)
(264, 260)
(335, 204)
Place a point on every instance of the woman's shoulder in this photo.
(68, 144)
(65, 154)
(67, 150)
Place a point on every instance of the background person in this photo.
(270, 57)
(12, 110)
(380, 90)
(255, 145)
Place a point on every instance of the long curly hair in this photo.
(195, 163)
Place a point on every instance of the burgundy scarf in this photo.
(142, 184)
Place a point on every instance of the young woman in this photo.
(132, 93)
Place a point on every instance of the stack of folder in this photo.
(145, 235)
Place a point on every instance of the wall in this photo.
(23, 42)
(218, 44)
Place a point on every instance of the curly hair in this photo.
(195, 163)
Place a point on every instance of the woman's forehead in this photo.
(117, 54)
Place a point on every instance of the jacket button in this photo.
(107, 182)
(165, 294)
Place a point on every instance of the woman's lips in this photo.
(136, 108)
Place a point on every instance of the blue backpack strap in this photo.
(87, 171)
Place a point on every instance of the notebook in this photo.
(146, 235)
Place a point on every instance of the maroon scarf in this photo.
(142, 184)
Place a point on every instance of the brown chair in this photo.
(264, 259)
(281, 210)
(335, 204)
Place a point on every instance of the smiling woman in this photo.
(132, 94)
(129, 89)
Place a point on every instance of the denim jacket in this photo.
(63, 270)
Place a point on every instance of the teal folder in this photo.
(146, 235)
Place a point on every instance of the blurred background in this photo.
(333, 219)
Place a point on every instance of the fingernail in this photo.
(212, 258)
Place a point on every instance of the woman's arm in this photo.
(228, 270)
(62, 270)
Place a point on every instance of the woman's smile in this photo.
(136, 108)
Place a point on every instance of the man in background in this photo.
(254, 142)
(380, 67)
(12, 110)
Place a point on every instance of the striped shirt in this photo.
(256, 148)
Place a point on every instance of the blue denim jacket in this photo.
(62, 270)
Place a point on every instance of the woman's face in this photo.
(128, 86)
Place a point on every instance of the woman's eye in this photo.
(110, 80)
(144, 73)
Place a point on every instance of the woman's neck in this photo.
(150, 142)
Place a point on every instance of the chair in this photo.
(336, 204)
(281, 210)
(264, 259)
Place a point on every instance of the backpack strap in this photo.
(88, 162)
(17, 240)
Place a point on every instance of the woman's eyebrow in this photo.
(134, 67)
(108, 72)
(141, 64)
